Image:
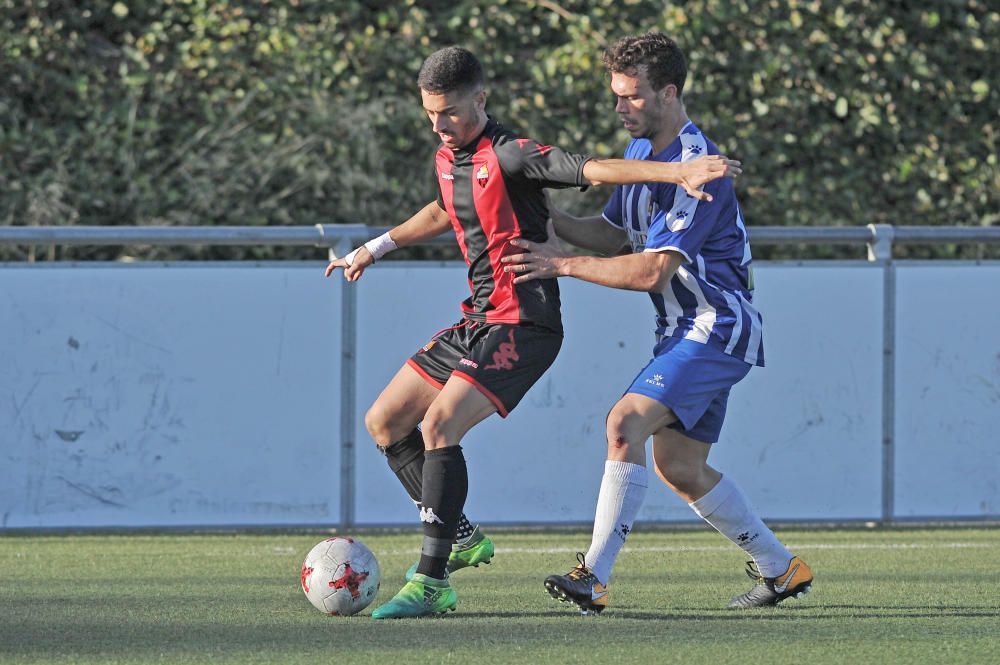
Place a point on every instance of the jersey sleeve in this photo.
(549, 166)
(613, 210)
(683, 223)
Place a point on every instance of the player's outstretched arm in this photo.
(691, 175)
(646, 271)
(429, 222)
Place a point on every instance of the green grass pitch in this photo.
(880, 596)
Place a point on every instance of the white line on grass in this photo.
(728, 548)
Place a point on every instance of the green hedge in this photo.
(201, 112)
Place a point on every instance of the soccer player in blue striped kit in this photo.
(693, 257)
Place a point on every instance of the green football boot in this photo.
(476, 549)
(420, 597)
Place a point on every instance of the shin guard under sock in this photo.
(406, 459)
(445, 487)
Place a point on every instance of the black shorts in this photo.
(501, 360)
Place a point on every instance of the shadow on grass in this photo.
(782, 613)
(134, 629)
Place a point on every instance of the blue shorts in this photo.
(693, 380)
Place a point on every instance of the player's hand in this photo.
(352, 273)
(542, 260)
(705, 169)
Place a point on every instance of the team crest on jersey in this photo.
(482, 175)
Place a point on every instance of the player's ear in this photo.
(480, 99)
(668, 92)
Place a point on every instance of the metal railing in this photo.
(879, 238)
(319, 235)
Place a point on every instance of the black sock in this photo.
(406, 459)
(446, 484)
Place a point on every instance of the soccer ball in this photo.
(340, 576)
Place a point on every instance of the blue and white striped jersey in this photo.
(710, 298)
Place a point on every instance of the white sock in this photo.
(726, 508)
(623, 489)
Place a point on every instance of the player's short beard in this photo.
(653, 123)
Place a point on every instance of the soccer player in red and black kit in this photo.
(491, 191)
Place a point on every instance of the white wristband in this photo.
(349, 259)
(379, 247)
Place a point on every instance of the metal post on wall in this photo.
(880, 251)
(348, 365)
(339, 239)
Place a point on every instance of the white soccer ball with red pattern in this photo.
(340, 576)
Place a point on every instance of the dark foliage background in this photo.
(207, 112)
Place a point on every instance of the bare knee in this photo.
(625, 444)
(436, 428)
(387, 425)
(377, 425)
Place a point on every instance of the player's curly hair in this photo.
(662, 57)
(450, 69)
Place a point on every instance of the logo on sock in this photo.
(623, 531)
(427, 515)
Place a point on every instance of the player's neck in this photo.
(480, 128)
(670, 130)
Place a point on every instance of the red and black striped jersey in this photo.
(492, 189)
